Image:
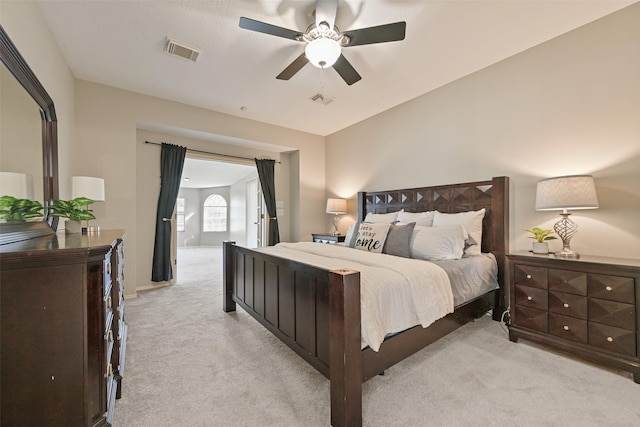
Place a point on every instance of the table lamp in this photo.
(564, 193)
(336, 207)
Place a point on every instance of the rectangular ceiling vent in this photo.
(321, 99)
(182, 50)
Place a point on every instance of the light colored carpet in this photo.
(190, 364)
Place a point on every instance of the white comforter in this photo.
(395, 293)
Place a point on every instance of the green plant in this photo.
(540, 235)
(73, 209)
(12, 209)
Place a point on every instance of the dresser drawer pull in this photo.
(565, 327)
(529, 298)
(109, 302)
(565, 305)
(110, 336)
(528, 276)
(610, 339)
(110, 369)
(608, 288)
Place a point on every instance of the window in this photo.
(180, 215)
(215, 213)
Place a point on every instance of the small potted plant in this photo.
(540, 246)
(19, 210)
(74, 211)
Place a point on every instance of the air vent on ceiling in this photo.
(182, 50)
(321, 99)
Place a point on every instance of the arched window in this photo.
(215, 213)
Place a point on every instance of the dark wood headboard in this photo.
(493, 195)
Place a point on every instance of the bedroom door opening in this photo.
(217, 201)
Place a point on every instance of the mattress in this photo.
(471, 277)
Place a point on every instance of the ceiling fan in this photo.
(324, 42)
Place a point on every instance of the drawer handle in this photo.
(109, 302)
(529, 298)
(565, 305)
(608, 288)
(610, 339)
(110, 369)
(110, 336)
(565, 327)
(528, 276)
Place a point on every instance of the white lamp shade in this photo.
(89, 187)
(337, 206)
(322, 52)
(566, 192)
(18, 185)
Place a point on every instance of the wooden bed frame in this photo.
(316, 312)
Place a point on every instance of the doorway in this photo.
(218, 201)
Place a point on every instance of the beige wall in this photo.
(568, 106)
(113, 147)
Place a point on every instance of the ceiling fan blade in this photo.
(346, 70)
(263, 27)
(293, 68)
(379, 34)
(326, 12)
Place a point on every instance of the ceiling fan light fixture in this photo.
(322, 52)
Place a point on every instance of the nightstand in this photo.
(586, 307)
(331, 239)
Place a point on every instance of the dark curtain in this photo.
(171, 163)
(266, 174)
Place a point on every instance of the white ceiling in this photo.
(198, 173)
(120, 44)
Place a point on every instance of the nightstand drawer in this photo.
(612, 313)
(568, 304)
(531, 297)
(531, 318)
(614, 288)
(587, 307)
(568, 327)
(530, 276)
(616, 340)
(573, 282)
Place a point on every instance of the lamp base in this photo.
(567, 254)
(335, 222)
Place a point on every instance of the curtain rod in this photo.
(209, 152)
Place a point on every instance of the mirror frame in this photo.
(16, 64)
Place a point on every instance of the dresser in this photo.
(63, 331)
(587, 307)
(330, 239)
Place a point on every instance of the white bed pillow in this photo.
(352, 232)
(371, 237)
(471, 220)
(387, 218)
(420, 218)
(438, 243)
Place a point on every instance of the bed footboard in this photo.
(315, 312)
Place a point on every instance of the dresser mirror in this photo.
(28, 139)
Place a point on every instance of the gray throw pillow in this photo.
(398, 241)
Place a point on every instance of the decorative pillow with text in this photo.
(371, 237)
